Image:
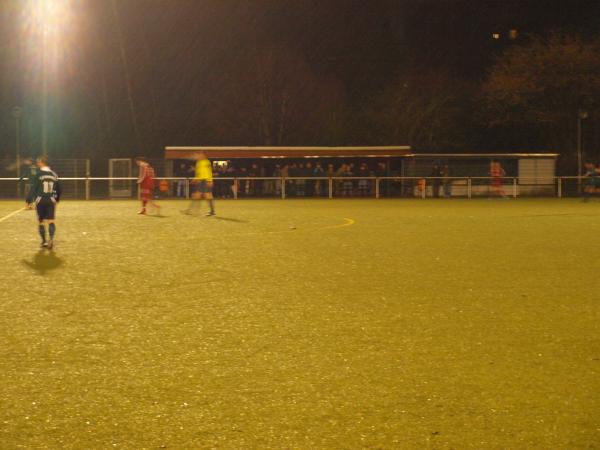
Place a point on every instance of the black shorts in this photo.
(45, 209)
(203, 187)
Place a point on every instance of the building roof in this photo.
(286, 152)
(233, 152)
(481, 155)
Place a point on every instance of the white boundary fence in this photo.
(79, 169)
(330, 187)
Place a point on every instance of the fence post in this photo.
(514, 188)
(559, 190)
(235, 188)
(187, 188)
(376, 187)
(424, 190)
(330, 187)
(283, 188)
(469, 187)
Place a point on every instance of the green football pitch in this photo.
(303, 324)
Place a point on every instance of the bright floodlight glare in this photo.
(51, 19)
(51, 15)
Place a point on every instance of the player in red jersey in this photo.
(497, 173)
(146, 183)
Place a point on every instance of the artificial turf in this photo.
(303, 324)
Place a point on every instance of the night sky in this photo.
(131, 76)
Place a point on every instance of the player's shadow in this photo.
(43, 262)
(230, 219)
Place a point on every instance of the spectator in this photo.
(330, 171)
(220, 187)
(310, 184)
(319, 184)
(436, 181)
(230, 184)
(243, 185)
(182, 171)
(347, 185)
(226, 172)
(301, 183)
(265, 185)
(253, 185)
(380, 171)
(291, 185)
(216, 186)
(277, 172)
(285, 174)
(446, 181)
(338, 182)
(351, 170)
(363, 183)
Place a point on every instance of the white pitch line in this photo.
(14, 213)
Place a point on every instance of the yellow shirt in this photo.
(204, 170)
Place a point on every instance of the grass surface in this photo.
(280, 324)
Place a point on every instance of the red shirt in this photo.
(497, 171)
(146, 177)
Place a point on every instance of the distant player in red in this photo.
(146, 183)
(497, 173)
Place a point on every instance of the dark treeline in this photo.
(131, 76)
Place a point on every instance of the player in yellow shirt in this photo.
(202, 185)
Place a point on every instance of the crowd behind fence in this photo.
(90, 188)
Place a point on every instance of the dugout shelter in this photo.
(534, 173)
(400, 161)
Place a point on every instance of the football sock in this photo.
(52, 230)
(211, 203)
(42, 231)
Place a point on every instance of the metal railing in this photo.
(324, 187)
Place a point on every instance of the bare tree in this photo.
(272, 97)
(423, 109)
(543, 84)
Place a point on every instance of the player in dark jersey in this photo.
(47, 194)
(29, 175)
(591, 181)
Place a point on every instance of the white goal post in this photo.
(119, 168)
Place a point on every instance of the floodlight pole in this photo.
(581, 115)
(17, 112)
(45, 85)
